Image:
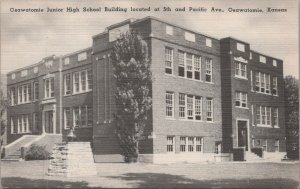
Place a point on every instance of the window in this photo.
(240, 47)
(250, 56)
(12, 96)
(197, 67)
(182, 105)
(198, 108)
(168, 60)
(275, 63)
(208, 73)
(181, 63)
(34, 122)
(251, 82)
(169, 30)
(276, 145)
(67, 118)
(241, 99)
(208, 42)
(24, 93)
(35, 91)
(275, 87)
(240, 70)
(82, 56)
(82, 81)
(252, 115)
(49, 63)
(170, 144)
(169, 104)
(263, 116)
(209, 109)
(67, 61)
(199, 144)
(189, 36)
(189, 65)
(262, 59)
(82, 116)
(12, 130)
(35, 69)
(13, 76)
(23, 124)
(275, 114)
(190, 107)
(191, 144)
(67, 84)
(24, 73)
(182, 144)
(262, 83)
(49, 87)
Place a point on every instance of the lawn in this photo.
(32, 174)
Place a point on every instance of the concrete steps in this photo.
(252, 157)
(74, 159)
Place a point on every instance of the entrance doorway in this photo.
(242, 134)
(48, 121)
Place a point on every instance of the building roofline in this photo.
(76, 52)
(265, 55)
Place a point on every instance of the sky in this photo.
(26, 38)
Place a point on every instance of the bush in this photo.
(36, 152)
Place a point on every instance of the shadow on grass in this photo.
(19, 182)
(158, 180)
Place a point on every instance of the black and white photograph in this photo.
(149, 94)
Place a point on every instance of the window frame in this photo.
(169, 59)
(170, 145)
(209, 109)
(208, 70)
(168, 105)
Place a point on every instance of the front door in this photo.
(49, 121)
(243, 134)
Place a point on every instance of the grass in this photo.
(32, 174)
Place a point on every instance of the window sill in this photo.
(191, 79)
(20, 133)
(239, 77)
(210, 122)
(276, 127)
(263, 93)
(170, 75)
(170, 118)
(211, 83)
(22, 103)
(80, 92)
(266, 126)
(190, 120)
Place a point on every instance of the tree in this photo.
(131, 68)
(292, 116)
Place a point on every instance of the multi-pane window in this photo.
(67, 84)
(182, 105)
(67, 61)
(275, 114)
(189, 65)
(170, 144)
(262, 83)
(82, 116)
(240, 70)
(82, 81)
(67, 118)
(35, 91)
(12, 96)
(23, 124)
(12, 130)
(197, 67)
(191, 144)
(208, 42)
(262, 59)
(168, 60)
(181, 67)
(189, 36)
(34, 122)
(263, 115)
(275, 87)
(208, 72)
(240, 47)
(49, 87)
(275, 63)
(241, 99)
(276, 145)
(169, 104)
(209, 109)
(190, 107)
(265, 144)
(24, 93)
(24, 73)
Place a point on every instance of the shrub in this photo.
(37, 152)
